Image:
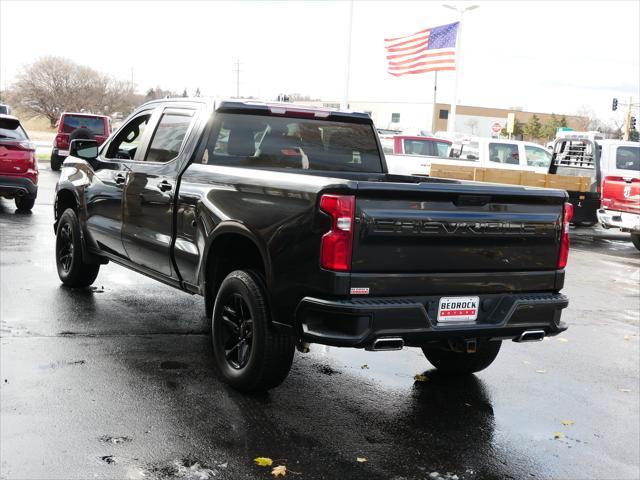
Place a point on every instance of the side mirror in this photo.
(85, 149)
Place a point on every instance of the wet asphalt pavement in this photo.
(116, 381)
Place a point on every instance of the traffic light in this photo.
(614, 106)
(632, 123)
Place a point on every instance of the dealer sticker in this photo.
(360, 291)
(458, 309)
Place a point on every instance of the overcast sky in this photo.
(542, 56)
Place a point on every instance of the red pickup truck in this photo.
(96, 126)
(621, 192)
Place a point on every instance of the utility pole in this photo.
(627, 127)
(237, 70)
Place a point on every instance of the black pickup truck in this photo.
(286, 220)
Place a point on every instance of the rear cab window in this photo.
(274, 142)
(628, 158)
(73, 122)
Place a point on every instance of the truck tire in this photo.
(635, 239)
(56, 162)
(249, 353)
(25, 203)
(459, 363)
(72, 270)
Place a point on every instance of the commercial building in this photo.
(477, 121)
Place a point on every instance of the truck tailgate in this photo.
(455, 227)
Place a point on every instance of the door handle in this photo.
(120, 178)
(164, 186)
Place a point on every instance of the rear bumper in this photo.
(358, 322)
(17, 186)
(627, 222)
(585, 206)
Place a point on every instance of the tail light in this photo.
(335, 249)
(61, 141)
(564, 239)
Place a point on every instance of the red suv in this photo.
(18, 165)
(77, 125)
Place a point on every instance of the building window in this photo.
(395, 118)
(443, 114)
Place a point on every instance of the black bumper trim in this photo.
(357, 322)
(11, 186)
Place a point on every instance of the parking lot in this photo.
(117, 381)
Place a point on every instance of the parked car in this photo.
(415, 145)
(500, 153)
(78, 125)
(18, 164)
(5, 109)
(287, 221)
(621, 188)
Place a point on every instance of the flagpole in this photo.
(451, 124)
(344, 105)
(435, 94)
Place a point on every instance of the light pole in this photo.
(451, 123)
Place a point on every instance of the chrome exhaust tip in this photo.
(530, 336)
(386, 343)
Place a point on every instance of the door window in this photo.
(537, 156)
(504, 153)
(169, 136)
(126, 143)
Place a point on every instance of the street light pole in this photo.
(451, 123)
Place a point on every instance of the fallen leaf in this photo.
(365, 366)
(361, 459)
(627, 337)
(563, 340)
(418, 377)
(566, 423)
(625, 390)
(558, 435)
(279, 471)
(526, 362)
(263, 461)
(542, 370)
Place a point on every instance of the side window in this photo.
(537, 156)
(416, 147)
(169, 136)
(126, 142)
(504, 153)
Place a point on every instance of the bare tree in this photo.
(52, 85)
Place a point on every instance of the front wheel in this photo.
(72, 270)
(452, 362)
(635, 239)
(249, 353)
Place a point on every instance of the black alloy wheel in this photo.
(237, 331)
(65, 248)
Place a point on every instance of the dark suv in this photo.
(77, 125)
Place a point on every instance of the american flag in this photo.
(428, 50)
